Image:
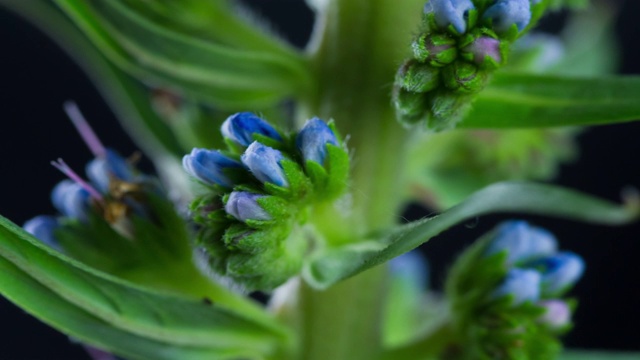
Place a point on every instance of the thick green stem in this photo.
(357, 49)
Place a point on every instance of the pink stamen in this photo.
(65, 169)
(86, 132)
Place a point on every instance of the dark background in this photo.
(37, 77)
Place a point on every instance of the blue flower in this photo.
(71, 199)
(522, 241)
(505, 13)
(559, 271)
(522, 284)
(42, 227)
(241, 127)
(557, 313)
(264, 163)
(412, 267)
(244, 206)
(209, 166)
(313, 138)
(450, 12)
(102, 169)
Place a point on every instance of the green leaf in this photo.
(208, 71)
(343, 262)
(41, 302)
(515, 100)
(598, 355)
(181, 324)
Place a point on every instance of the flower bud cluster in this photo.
(507, 292)
(460, 44)
(261, 191)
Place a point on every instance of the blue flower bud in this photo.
(557, 313)
(209, 166)
(522, 284)
(411, 266)
(522, 241)
(505, 13)
(42, 227)
(450, 12)
(241, 127)
(313, 138)
(264, 163)
(244, 206)
(559, 271)
(101, 170)
(71, 199)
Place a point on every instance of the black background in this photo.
(37, 77)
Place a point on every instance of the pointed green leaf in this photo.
(215, 324)
(515, 100)
(46, 305)
(209, 71)
(340, 263)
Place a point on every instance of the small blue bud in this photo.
(241, 127)
(522, 241)
(71, 199)
(101, 170)
(522, 284)
(244, 206)
(313, 138)
(557, 313)
(450, 12)
(505, 13)
(42, 227)
(411, 266)
(264, 163)
(209, 166)
(559, 271)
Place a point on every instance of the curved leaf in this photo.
(39, 301)
(515, 100)
(170, 320)
(340, 263)
(208, 71)
(127, 98)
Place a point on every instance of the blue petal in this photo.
(209, 166)
(522, 241)
(71, 199)
(411, 266)
(264, 163)
(522, 284)
(559, 272)
(450, 12)
(241, 127)
(557, 313)
(313, 138)
(244, 206)
(101, 170)
(505, 13)
(43, 227)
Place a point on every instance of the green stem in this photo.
(355, 54)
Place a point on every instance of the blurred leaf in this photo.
(515, 100)
(211, 72)
(176, 324)
(343, 262)
(127, 98)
